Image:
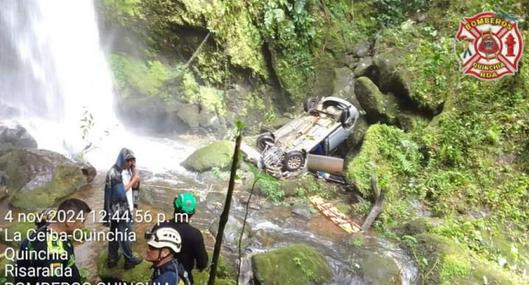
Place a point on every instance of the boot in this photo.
(132, 263)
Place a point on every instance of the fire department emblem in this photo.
(493, 45)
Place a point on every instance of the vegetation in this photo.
(464, 165)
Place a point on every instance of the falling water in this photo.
(55, 81)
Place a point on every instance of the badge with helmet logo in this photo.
(493, 45)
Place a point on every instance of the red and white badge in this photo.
(494, 46)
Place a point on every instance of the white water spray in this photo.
(54, 76)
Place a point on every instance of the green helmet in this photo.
(185, 202)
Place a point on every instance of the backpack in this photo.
(183, 275)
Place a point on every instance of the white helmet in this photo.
(165, 237)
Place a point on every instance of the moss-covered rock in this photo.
(443, 261)
(294, 264)
(217, 154)
(141, 273)
(7, 234)
(379, 107)
(16, 136)
(388, 153)
(40, 178)
(226, 273)
(3, 276)
(382, 270)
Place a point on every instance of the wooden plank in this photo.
(333, 214)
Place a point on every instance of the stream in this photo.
(269, 227)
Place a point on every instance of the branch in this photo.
(377, 207)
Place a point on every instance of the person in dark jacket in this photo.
(117, 213)
(193, 249)
(51, 241)
(164, 243)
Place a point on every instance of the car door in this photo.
(336, 138)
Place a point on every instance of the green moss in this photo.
(135, 76)
(66, 180)
(387, 152)
(217, 154)
(295, 264)
(226, 273)
(139, 274)
(3, 278)
(443, 261)
(8, 233)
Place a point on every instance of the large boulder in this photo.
(391, 76)
(377, 269)
(217, 154)
(153, 114)
(343, 85)
(16, 136)
(447, 262)
(378, 106)
(364, 67)
(139, 274)
(294, 264)
(40, 178)
(389, 154)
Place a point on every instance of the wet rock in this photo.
(294, 264)
(40, 178)
(89, 172)
(16, 136)
(362, 49)
(379, 107)
(266, 238)
(392, 77)
(343, 85)
(359, 132)
(364, 67)
(215, 201)
(190, 115)
(217, 154)
(379, 269)
(302, 210)
(151, 114)
(139, 274)
(7, 234)
(256, 203)
(232, 232)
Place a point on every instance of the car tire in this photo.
(264, 139)
(310, 103)
(294, 160)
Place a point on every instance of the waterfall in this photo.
(55, 82)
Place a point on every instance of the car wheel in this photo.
(264, 139)
(310, 103)
(294, 160)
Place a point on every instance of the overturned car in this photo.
(325, 124)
